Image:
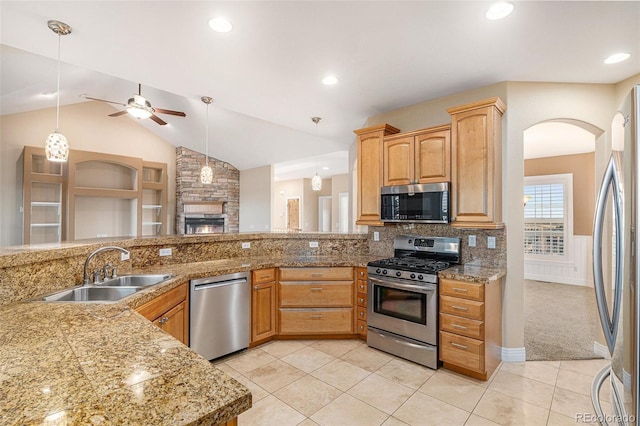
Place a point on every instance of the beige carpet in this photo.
(561, 321)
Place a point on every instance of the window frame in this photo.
(566, 179)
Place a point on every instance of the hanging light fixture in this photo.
(316, 181)
(206, 173)
(56, 147)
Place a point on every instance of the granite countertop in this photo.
(472, 273)
(77, 363)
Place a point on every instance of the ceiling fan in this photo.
(140, 108)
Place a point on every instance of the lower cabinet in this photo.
(471, 326)
(170, 311)
(263, 305)
(361, 302)
(316, 301)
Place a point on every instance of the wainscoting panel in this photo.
(575, 271)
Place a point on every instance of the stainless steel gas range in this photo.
(402, 305)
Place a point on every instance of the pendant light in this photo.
(316, 181)
(206, 173)
(56, 147)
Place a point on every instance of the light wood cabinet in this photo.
(370, 167)
(316, 301)
(361, 302)
(170, 311)
(263, 305)
(476, 164)
(471, 326)
(423, 156)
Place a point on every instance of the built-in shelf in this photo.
(45, 204)
(151, 223)
(45, 225)
(151, 206)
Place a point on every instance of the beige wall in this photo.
(256, 193)
(87, 128)
(282, 191)
(582, 166)
(339, 183)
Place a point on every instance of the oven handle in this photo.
(389, 282)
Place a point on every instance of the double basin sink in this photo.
(110, 290)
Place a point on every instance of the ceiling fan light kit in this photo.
(56, 146)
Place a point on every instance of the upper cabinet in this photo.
(423, 156)
(370, 168)
(476, 164)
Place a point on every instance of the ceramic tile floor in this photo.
(344, 382)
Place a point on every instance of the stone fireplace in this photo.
(219, 200)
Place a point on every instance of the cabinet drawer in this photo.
(292, 274)
(361, 286)
(161, 304)
(464, 326)
(466, 290)
(263, 276)
(462, 307)
(462, 351)
(362, 327)
(361, 299)
(361, 273)
(313, 321)
(361, 313)
(316, 294)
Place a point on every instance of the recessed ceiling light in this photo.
(220, 25)
(49, 94)
(325, 168)
(499, 10)
(617, 57)
(330, 80)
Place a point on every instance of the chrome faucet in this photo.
(93, 253)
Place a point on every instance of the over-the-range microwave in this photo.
(422, 203)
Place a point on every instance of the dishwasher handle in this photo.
(205, 286)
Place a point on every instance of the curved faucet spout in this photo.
(92, 255)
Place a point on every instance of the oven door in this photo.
(402, 308)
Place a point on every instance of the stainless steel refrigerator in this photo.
(618, 297)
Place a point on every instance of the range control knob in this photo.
(412, 276)
(384, 272)
(398, 274)
(378, 271)
(420, 277)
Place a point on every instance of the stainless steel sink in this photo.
(91, 294)
(135, 280)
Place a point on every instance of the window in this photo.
(548, 215)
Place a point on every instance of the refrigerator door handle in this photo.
(611, 179)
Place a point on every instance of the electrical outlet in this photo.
(376, 236)
(313, 244)
(246, 245)
(491, 242)
(124, 256)
(472, 240)
(165, 251)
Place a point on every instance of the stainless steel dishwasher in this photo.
(219, 314)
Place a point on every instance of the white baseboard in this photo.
(513, 355)
(601, 350)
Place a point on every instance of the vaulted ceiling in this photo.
(265, 75)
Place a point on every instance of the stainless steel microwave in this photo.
(425, 203)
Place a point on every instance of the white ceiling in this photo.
(554, 139)
(265, 75)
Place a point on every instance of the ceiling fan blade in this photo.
(170, 112)
(158, 120)
(118, 114)
(103, 100)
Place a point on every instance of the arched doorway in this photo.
(560, 190)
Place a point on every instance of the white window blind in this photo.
(546, 215)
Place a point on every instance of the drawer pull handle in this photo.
(265, 276)
(316, 274)
(361, 314)
(460, 308)
(256, 288)
(459, 346)
(361, 287)
(163, 320)
(361, 274)
(361, 300)
(316, 289)
(459, 327)
(460, 290)
(362, 328)
(316, 316)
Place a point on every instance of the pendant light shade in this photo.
(56, 146)
(206, 173)
(316, 183)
